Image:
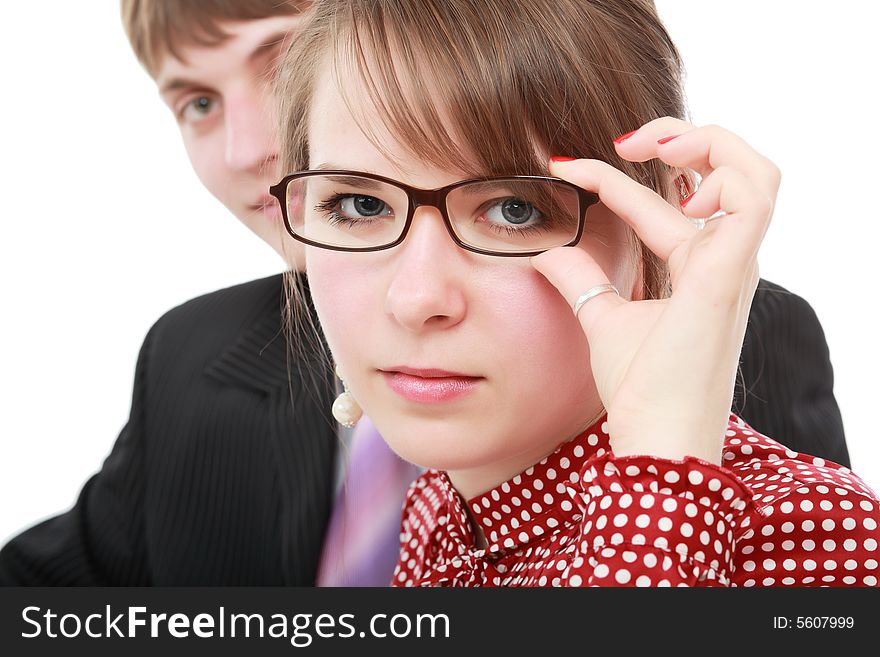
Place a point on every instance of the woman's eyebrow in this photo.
(364, 183)
(477, 188)
(326, 166)
(355, 181)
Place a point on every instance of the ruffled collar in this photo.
(519, 511)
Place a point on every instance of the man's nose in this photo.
(251, 143)
(426, 291)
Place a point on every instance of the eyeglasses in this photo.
(500, 216)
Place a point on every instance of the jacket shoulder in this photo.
(772, 301)
(196, 332)
(225, 310)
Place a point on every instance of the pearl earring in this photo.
(345, 409)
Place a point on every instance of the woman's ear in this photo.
(685, 183)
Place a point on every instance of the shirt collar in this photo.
(516, 512)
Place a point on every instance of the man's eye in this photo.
(197, 109)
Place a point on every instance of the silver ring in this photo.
(700, 223)
(594, 291)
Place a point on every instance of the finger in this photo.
(710, 147)
(660, 226)
(641, 145)
(703, 149)
(748, 212)
(638, 141)
(572, 271)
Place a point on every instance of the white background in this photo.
(104, 225)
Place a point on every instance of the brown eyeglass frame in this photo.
(434, 198)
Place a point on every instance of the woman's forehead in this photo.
(348, 130)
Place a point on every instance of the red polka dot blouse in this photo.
(582, 517)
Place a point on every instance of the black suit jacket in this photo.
(224, 473)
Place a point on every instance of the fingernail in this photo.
(562, 158)
(623, 138)
(665, 139)
(687, 199)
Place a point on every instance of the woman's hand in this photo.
(665, 369)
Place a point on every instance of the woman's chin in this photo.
(443, 443)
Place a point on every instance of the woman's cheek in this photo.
(607, 240)
(339, 291)
(545, 338)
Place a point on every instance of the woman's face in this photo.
(428, 304)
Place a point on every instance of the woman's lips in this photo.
(430, 389)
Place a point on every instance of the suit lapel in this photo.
(302, 435)
(257, 359)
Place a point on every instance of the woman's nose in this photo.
(427, 287)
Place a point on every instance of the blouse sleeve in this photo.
(817, 533)
(656, 522)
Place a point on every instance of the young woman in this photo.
(556, 339)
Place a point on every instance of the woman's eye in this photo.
(197, 109)
(363, 206)
(513, 211)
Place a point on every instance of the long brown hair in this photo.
(517, 80)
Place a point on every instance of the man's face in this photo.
(222, 100)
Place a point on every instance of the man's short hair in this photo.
(157, 28)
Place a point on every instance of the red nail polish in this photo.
(562, 158)
(623, 138)
(687, 199)
(665, 139)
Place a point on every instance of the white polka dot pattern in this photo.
(582, 517)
